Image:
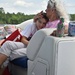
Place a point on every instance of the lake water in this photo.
(6, 24)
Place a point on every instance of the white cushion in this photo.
(23, 24)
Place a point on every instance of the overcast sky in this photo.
(32, 6)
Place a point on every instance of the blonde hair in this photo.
(61, 12)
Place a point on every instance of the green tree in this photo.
(72, 17)
(2, 10)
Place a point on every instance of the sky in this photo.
(32, 6)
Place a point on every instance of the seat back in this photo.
(36, 42)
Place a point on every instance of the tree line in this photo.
(8, 18)
(72, 17)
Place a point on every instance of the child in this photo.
(7, 49)
(29, 30)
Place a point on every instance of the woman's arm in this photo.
(65, 31)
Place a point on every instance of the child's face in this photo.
(41, 23)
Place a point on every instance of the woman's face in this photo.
(41, 23)
(49, 11)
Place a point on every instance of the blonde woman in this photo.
(55, 10)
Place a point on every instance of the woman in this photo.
(54, 12)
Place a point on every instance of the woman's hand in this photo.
(53, 33)
(39, 15)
